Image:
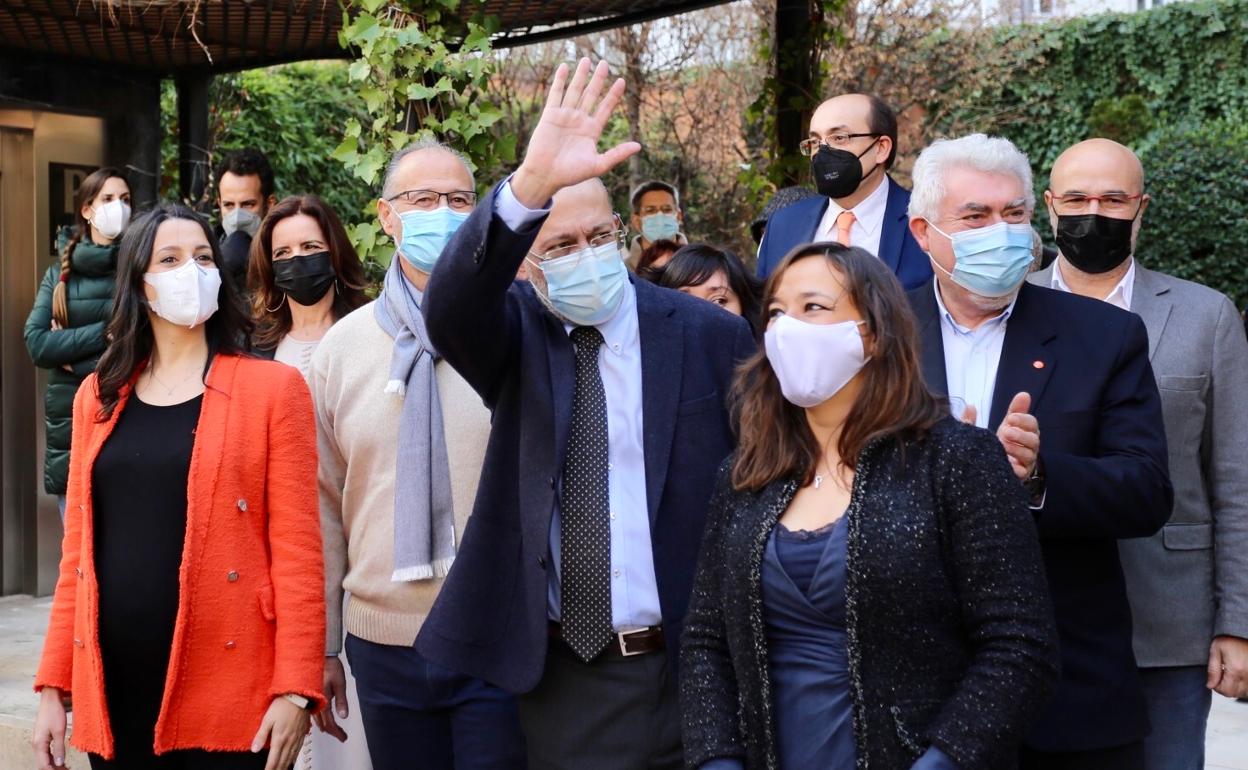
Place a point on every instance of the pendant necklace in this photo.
(151, 377)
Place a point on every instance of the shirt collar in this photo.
(870, 210)
(1121, 294)
(947, 317)
(621, 331)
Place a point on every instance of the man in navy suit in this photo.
(1030, 362)
(572, 581)
(852, 144)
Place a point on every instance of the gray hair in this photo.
(427, 143)
(989, 154)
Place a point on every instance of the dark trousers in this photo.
(180, 760)
(613, 713)
(418, 714)
(1178, 707)
(1129, 757)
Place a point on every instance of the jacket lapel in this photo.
(1026, 363)
(1150, 301)
(662, 353)
(561, 360)
(927, 312)
(894, 226)
(206, 454)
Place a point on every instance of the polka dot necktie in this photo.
(585, 526)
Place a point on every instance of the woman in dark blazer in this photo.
(870, 591)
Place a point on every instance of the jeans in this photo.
(418, 714)
(1178, 707)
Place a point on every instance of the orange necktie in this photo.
(844, 221)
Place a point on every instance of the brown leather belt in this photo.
(625, 644)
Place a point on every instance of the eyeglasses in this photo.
(1078, 203)
(564, 249)
(427, 200)
(838, 140)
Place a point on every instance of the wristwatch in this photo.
(1035, 483)
(298, 700)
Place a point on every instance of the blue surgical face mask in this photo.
(658, 227)
(425, 235)
(585, 288)
(990, 261)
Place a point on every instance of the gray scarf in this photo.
(424, 519)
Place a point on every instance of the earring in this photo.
(279, 306)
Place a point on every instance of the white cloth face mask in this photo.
(814, 361)
(187, 295)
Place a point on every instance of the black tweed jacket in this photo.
(951, 634)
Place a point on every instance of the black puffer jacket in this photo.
(79, 346)
(950, 628)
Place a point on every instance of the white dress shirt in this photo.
(971, 358)
(1120, 297)
(634, 589)
(868, 226)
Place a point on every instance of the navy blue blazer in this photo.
(490, 619)
(795, 225)
(1103, 446)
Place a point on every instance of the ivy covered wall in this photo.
(1171, 83)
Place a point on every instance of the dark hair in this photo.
(776, 441)
(883, 121)
(246, 162)
(86, 193)
(130, 328)
(653, 185)
(651, 253)
(694, 265)
(272, 325)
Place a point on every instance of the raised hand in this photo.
(563, 150)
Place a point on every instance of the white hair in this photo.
(989, 154)
(427, 143)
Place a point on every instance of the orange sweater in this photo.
(251, 611)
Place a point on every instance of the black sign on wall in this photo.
(64, 179)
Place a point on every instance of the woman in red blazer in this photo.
(188, 623)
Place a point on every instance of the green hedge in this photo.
(1195, 225)
(1172, 83)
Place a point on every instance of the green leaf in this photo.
(360, 69)
(346, 151)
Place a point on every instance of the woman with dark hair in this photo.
(188, 621)
(714, 275)
(654, 257)
(65, 329)
(870, 591)
(305, 276)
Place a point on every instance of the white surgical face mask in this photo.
(187, 295)
(111, 218)
(813, 361)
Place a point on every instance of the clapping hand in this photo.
(563, 150)
(1020, 435)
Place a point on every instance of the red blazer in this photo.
(251, 612)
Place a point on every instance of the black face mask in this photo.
(837, 172)
(304, 279)
(1094, 243)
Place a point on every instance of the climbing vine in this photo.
(422, 69)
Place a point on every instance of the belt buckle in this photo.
(620, 637)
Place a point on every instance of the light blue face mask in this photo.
(990, 261)
(587, 287)
(425, 235)
(657, 227)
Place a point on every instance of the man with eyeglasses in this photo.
(851, 145)
(1065, 383)
(656, 216)
(401, 440)
(1188, 584)
(609, 425)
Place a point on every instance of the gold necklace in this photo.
(151, 377)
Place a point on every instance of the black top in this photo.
(949, 630)
(139, 487)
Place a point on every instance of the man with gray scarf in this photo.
(401, 440)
